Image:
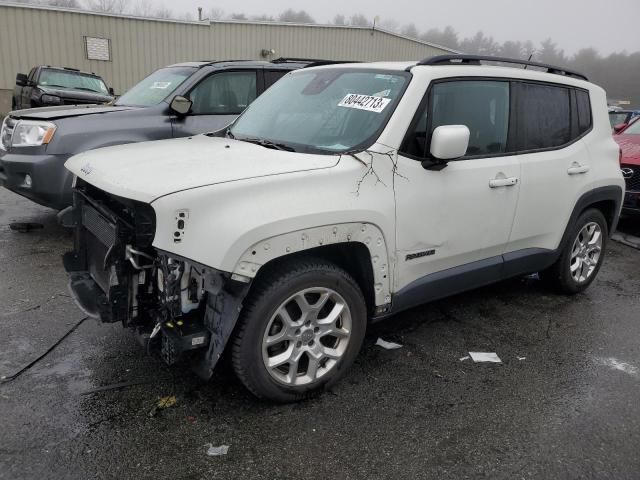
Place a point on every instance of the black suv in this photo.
(45, 86)
(176, 101)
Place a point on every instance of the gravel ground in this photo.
(562, 404)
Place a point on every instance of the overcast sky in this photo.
(607, 25)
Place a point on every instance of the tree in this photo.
(410, 30)
(389, 24)
(359, 20)
(108, 6)
(64, 3)
(339, 20)
(447, 37)
(238, 16)
(263, 18)
(296, 16)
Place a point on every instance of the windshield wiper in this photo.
(268, 144)
(86, 89)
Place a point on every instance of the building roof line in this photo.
(205, 23)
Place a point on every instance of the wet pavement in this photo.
(565, 402)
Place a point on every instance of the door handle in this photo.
(576, 169)
(503, 182)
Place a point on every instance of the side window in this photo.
(483, 106)
(584, 111)
(544, 116)
(224, 93)
(272, 76)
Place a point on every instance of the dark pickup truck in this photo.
(45, 86)
(176, 101)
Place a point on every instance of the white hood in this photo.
(148, 170)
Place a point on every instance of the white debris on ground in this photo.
(462, 359)
(521, 358)
(216, 451)
(615, 364)
(490, 357)
(387, 345)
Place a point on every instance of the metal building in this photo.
(124, 49)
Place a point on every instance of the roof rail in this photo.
(310, 62)
(477, 59)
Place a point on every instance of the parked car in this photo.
(47, 86)
(176, 101)
(344, 194)
(619, 118)
(629, 141)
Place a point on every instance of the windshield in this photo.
(616, 118)
(328, 110)
(156, 87)
(633, 129)
(72, 80)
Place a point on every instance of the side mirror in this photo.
(21, 80)
(112, 92)
(449, 142)
(621, 126)
(180, 105)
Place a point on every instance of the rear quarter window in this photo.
(584, 111)
(544, 116)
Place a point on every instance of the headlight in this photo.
(28, 133)
(51, 99)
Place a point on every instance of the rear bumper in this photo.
(50, 181)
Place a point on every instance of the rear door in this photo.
(551, 120)
(460, 216)
(217, 100)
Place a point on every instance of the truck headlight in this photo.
(51, 99)
(28, 133)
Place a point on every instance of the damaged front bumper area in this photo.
(177, 307)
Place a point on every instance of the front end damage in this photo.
(177, 307)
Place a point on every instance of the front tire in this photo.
(581, 256)
(300, 330)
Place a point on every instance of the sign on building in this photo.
(97, 48)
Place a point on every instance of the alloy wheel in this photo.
(306, 336)
(586, 251)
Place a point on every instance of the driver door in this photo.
(454, 224)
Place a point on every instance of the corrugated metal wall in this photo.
(35, 35)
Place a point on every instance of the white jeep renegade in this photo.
(342, 195)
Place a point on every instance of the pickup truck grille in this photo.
(7, 132)
(633, 183)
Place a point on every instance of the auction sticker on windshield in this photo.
(364, 102)
(161, 85)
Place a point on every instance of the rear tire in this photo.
(581, 256)
(300, 330)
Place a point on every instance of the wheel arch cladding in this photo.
(359, 248)
(606, 199)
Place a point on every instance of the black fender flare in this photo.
(609, 193)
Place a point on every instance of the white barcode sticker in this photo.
(364, 102)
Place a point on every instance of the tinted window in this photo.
(483, 106)
(584, 111)
(544, 116)
(225, 93)
(272, 76)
